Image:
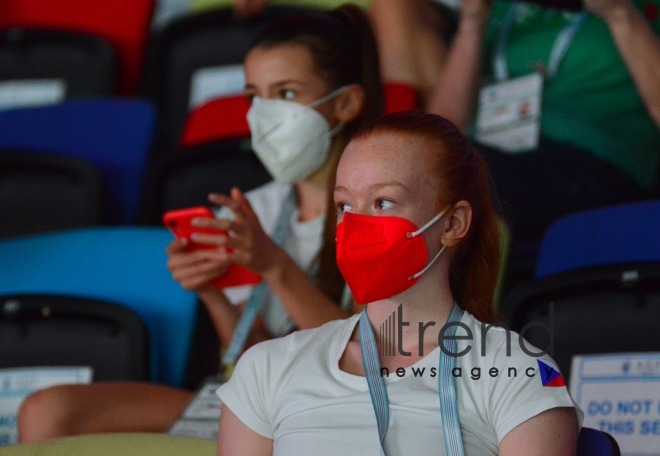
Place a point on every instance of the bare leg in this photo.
(99, 407)
(411, 42)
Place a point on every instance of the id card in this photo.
(509, 115)
(201, 416)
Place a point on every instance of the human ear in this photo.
(458, 222)
(349, 104)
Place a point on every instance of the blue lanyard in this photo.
(446, 387)
(259, 293)
(559, 48)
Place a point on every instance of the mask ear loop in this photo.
(340, 126)
(425, 227)
(328, 97)
(421, 230)
(437, 255)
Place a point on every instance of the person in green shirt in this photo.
(599, 141)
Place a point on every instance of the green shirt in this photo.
(591, 102)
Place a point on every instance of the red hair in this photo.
(461, 174)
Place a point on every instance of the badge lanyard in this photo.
(446, 387)
(559, 48)
(259, 293)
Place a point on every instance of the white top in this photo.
(302, 244)
(291, 390)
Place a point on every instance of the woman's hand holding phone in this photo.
(192, 268)
(199, 256)
(249, 245)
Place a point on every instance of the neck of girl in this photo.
(312, 200)
(419, 315)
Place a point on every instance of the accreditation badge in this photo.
(509, 114)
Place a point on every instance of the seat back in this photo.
(608, 235)
(605, 309)
(113, 135)
(39, 67)
(215, 155)
(120, 264)
(125, 24)
(598, 284)
(198, 58)
(59, 330)
(187, 179)
(41, 193)
(592, 442)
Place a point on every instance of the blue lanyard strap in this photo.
(259, 293)
(559, 48)
(377, 389)
(447, 389)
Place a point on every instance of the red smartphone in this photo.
(178, 221)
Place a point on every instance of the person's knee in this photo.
(46, 414)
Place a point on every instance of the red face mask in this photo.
(380, 257)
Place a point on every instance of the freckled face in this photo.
(387, 174)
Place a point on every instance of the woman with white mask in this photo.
(313, 79)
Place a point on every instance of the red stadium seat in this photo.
(222, 118)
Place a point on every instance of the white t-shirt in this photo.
(303, 243)
(291, 390)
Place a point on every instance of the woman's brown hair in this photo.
(343, 49)
(461, 174)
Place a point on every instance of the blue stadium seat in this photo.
(592, 442)
(113, 135)
(123, 265)
(609, 235)
(597, 286)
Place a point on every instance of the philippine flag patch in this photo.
(549, 375)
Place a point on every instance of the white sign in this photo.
(17, 383)
(620, 394)
(31, 92)
(215, 82)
